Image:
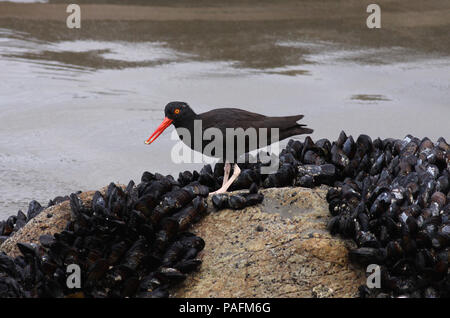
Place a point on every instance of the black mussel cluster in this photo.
(391, 197)
(237, 201)
(15, 222)
(395, 203)
(305, 164)
(128, 243)
(249, 178)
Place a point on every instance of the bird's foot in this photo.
(221, 190)
(227, 184)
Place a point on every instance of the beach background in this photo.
(76, 105)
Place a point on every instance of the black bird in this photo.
(182, 116)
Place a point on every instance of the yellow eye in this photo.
(177, 111)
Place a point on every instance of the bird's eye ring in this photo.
(177, 111)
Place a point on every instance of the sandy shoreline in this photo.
(57, 12)
(197, 27)
(415, 14)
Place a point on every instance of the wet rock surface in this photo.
(279, 248)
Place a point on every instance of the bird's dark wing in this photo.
(223, 118)
(229, 118)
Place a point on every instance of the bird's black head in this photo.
(178, 112)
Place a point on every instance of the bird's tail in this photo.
(301, 130)
(289, 126)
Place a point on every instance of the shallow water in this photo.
(75, 114)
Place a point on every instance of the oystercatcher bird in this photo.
(182, 116)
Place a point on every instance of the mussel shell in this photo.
(34, 208)
(147, 177)
(338, 158)
(245, 179)
(97, 271)
(220, 201)
(367, 239)
(175, 200)
(306, 181)
(349, 147)
(333, 225)
(188, 266)
(136, 254)
(172, 275)
(253, 188)
(117, 251)
(367, 255)
(185, 178)
(282, 178)
(320, 173)
(341, 139)
(237, 202)
(364, 144)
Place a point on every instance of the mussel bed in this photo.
(390, 196)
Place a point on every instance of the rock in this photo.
(279, 248)
(293, 256)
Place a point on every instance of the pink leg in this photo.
(228, 183)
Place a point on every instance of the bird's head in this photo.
(176, 113)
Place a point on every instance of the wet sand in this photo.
(246, 31)
(77, 105)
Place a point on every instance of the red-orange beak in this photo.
(166, 123)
